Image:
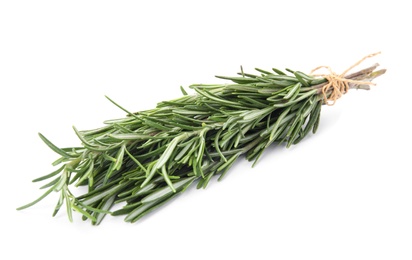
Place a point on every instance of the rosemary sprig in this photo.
(147, 158)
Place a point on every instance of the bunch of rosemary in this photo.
(149, 157)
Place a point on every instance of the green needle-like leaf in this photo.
(55, 148)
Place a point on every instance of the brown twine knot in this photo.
(337, 83)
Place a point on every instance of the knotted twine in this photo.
(337, 83)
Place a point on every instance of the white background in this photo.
(344, 193)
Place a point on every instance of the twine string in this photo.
(337, 83)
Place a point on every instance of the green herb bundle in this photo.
(147, 158)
